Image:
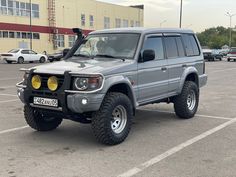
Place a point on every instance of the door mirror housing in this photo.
(148, 55)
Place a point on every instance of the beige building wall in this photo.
(68, 15)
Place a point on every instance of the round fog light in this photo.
(52, 83)
(36, 82)
(84, 101)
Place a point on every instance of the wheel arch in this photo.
(190, 74)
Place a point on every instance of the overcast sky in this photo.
(197, 14)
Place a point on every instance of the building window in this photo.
(118, 22)
(11, 34)
(36, 36)
(82, 19)
(91, 20)
(18, 35)
(10, 7)
(60, 40)
(5, 34)
(72, 40)
(132, 23)
(3, 7)
(125, 23)
(35, 10)
(106, 22)
(24, 35)
(137, 23)
(0, 34)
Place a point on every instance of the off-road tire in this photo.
(42, 60)
(20, 60)
(39, 122)
(101, 120)
(180, 101)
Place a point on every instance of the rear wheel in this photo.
(40, 122)
(186, 104)
(20, 60)
(112, 122)
(228, 59)
(42, 60)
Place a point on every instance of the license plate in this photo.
(46, 102)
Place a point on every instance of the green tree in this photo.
(216, 37)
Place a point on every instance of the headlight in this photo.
(52, 83)
(88, 83)
(36, 82)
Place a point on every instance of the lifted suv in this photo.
(108, 74)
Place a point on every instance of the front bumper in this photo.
(202, 80)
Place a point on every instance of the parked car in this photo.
(58, 55)
(232, 54)
(109, 74)
(23, 55)
(212, 55)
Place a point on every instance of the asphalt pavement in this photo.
(159, 145)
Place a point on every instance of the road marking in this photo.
(222, 70)
(7, 101)
(7, 95)
(175, 149)
(13, 130)
(4, 79)
(6, 87)
(199, 115)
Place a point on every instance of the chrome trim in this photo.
(20, 85)
(24, 69)
(46, 107)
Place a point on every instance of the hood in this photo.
(86, 66)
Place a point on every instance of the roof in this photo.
(143, 30)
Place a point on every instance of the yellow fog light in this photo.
(36, 82)
(52, 83)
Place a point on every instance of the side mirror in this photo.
(148, 55)
(65, 51)
(78, 32)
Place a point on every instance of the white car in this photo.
(23, 55)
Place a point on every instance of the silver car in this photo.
(108, 74)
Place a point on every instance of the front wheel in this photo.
(186, 104)
(112, 122)
(40, 122)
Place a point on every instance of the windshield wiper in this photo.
(108, 56)
(81, 55)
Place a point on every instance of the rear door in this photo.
(26, 55)
(153, 75)
(34, 56)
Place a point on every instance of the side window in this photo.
(171, 47)
(25, 51)
(154, 43)
(180, 47)
(190, 45)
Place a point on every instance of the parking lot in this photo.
(159, 145)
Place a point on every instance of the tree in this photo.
(216, 37)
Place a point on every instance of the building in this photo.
(52, 20)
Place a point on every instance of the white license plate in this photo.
(46, 102)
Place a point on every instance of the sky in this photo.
(197, 14)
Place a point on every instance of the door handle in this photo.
(163, 69)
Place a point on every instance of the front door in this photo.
(153, 75)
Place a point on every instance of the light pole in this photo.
(162, 23)
(31, 35)
(230, 28)
(181, 12)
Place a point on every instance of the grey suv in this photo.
(108, 74)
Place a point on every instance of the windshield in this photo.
(109, 46)
(233, 50)
(14, 51)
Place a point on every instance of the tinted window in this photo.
(154, 43)
(25, 51)
(180, 47)
(190, 45)
(171, 47)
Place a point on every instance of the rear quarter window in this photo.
(190, 45)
